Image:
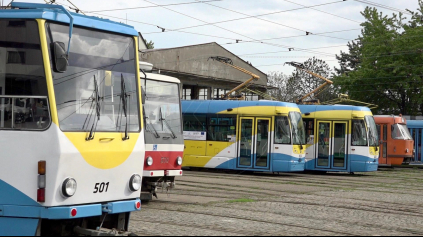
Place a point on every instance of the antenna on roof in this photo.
(76, 9)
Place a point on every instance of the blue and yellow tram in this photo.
(243, 135)
(71, 137)
(340, 138)
(416, 130)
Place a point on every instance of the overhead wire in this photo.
(383, 6)
(276, 45)
(134, 8)
(305, 31)
(243, 18)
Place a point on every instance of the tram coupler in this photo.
(101, 232)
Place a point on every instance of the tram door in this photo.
(254, 143)
(383, 151)
(332, 145)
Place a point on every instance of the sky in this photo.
(267, 42)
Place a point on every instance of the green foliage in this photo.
(150, 45)
(384, 66)
(241, 200)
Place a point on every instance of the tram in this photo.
(340, 138)
(163, 133)
(416, 130)
(243, 135)
(396, 142)
(71, 132)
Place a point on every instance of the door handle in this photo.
(106, 139)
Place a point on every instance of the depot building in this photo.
(203, 78)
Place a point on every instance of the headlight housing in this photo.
(135, 183)
(179, 160)
(149, 161)
(69, 187)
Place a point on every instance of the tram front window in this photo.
(401, 132)
(359, 134)
(23, 85)
(282, 131)
(298, 130)
(99, 86)
(373, 133)
(162, 109)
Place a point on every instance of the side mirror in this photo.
(60, 60)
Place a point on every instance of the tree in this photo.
(384, 65)
(284, 88)
(150, 45)
(306, 83)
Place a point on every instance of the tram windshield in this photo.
(298, 130)
(100, 84)
(401, 132)
(162, 107)
(372, 131)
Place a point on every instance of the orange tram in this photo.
(396, 145)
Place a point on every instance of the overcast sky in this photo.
(266, 55)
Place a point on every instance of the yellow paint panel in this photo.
(214, 148)
(373, 151)
(195, 147)
(47, 69)
(261, 111)
(297, 149)
(106, 151)
(195, 161)
(337, 114)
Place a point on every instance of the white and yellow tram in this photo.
(71, 134)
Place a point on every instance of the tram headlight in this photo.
(69, 187)
(135, 183)
(149, 161)
(179, 160)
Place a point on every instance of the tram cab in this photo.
(163, 134)
(71, 140)
(340, 138)
(396, 142)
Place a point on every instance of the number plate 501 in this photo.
(101, 187)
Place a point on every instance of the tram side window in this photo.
(194, 123)
(359, 134)
(221, 128)
(309, 128)
(282, 131)
(22, 75)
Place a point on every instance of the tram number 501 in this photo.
(101, 187)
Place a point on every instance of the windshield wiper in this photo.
(96, 100)
(167, 124)
(150, 124)
(124, 98)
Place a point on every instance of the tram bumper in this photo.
(294, 165)
(364, 166)
(70, 212)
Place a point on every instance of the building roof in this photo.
(193, 60)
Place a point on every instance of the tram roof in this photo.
(216, 106)
(320, 108)
(415, 123)
(41, 11)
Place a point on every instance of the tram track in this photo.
(354, 208)
(255, 220)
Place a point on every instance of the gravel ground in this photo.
(387, 202)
